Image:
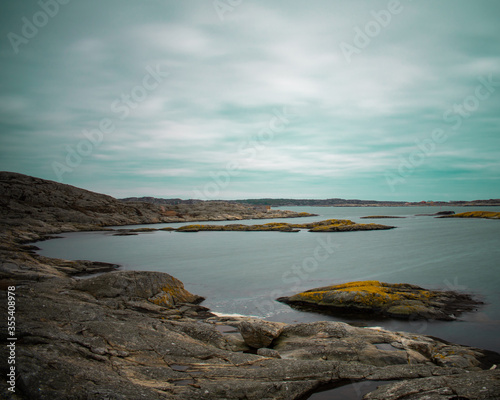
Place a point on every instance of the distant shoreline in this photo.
(334, 202)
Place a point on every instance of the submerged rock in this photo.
(385, 299)
(436, 214)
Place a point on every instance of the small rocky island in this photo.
(329, 225)
(475, 214)
(142, 335)
(381, 216)
(400, 300)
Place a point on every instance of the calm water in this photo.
(243, 272)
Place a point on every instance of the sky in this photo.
(235, 99)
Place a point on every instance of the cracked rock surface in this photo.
(77, 344)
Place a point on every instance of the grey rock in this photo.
(259, 333)
(158, 287)
(265, 352)
(483, 385)
(390, 300)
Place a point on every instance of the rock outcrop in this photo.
(79, 344)
(385, 299)
(157, 287)
(50, 207)
(474, 214)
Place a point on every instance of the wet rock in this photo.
(439, 213)
(471, 386)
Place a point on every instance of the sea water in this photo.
(244, 272)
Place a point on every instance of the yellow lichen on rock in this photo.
(475, 214)
(329, 225)
(400, 300)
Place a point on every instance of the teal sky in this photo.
(226, 99)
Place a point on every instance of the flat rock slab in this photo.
(400, 300)
(484, 385)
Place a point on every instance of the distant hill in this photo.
(158, 200)
(39, 205)
(336, 202)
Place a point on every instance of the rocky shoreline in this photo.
(132, 335)
(108, 337)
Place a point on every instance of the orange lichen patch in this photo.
(334, 222)
(340, 227)
(275, 224)
(170, 295)
(369, 293)
(325, 228)
(359, 285)
(326, 222)
(400, 300)
(381, 288)
(200, 227)
(475, 214)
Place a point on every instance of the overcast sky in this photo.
(227, 99)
